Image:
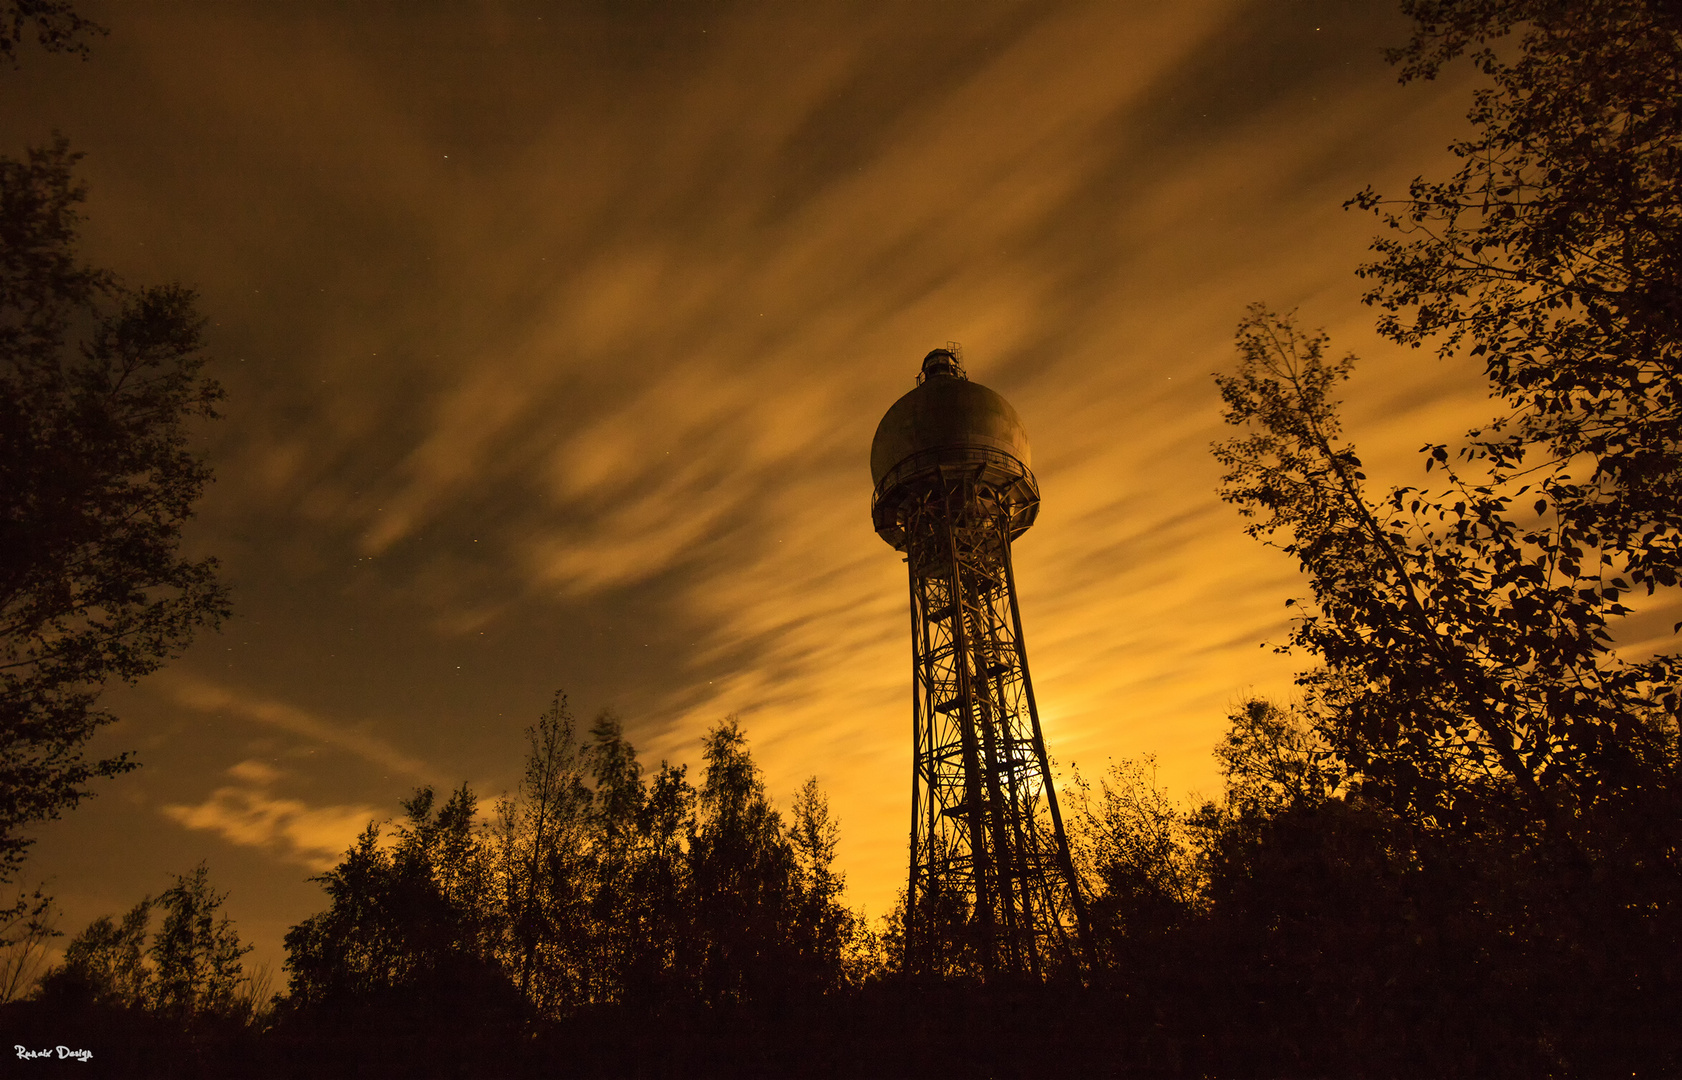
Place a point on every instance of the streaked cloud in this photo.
(248, 814)
(206, 697)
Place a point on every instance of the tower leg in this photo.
(991, 890)
(1083, 925)
(908, 948)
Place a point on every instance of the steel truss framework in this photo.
(992, 891)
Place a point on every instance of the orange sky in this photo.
(556, 336)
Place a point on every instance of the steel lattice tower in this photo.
(992, 891)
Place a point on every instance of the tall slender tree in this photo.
(618, 917)
(97, 480)
(196, 952)
(826, 932)
(543, 838)
(741, 874)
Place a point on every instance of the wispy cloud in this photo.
(206, 697)
(250, 815)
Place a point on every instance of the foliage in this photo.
(106, 963)
(642, 902)
(1507, 778)
(832, 946)
(411, 915)
(1468, 656)
(590, 887)
(541, 839)
(1294, 927)
(1555, 254)
(56, 27)
(1152, 867)
(25, 929)
(1484, 801)
(190, 970)
(96, 483)
(196, 955)
(1273, 758)
(1555, 251)
(1289, 927)
(1135, 852)
(741, 870)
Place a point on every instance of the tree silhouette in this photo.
(1471, 821)
(1511, 778)
(106, 962)
(1555, 253)
(626, 916)
(542, 846)
(54, 24)
(1468, 658)
(96, 481)
(1273, 758)
(1136, 853)
(27, 926)
(190, 971)
(741, 870)
(828, 937)
(411, 919)
(196, 955)
(590, 888)
(656, 963)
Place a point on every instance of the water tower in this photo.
(992, 891)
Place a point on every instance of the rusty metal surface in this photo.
(1004, 484)
(947, 412)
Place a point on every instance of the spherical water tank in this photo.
(950, 430)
